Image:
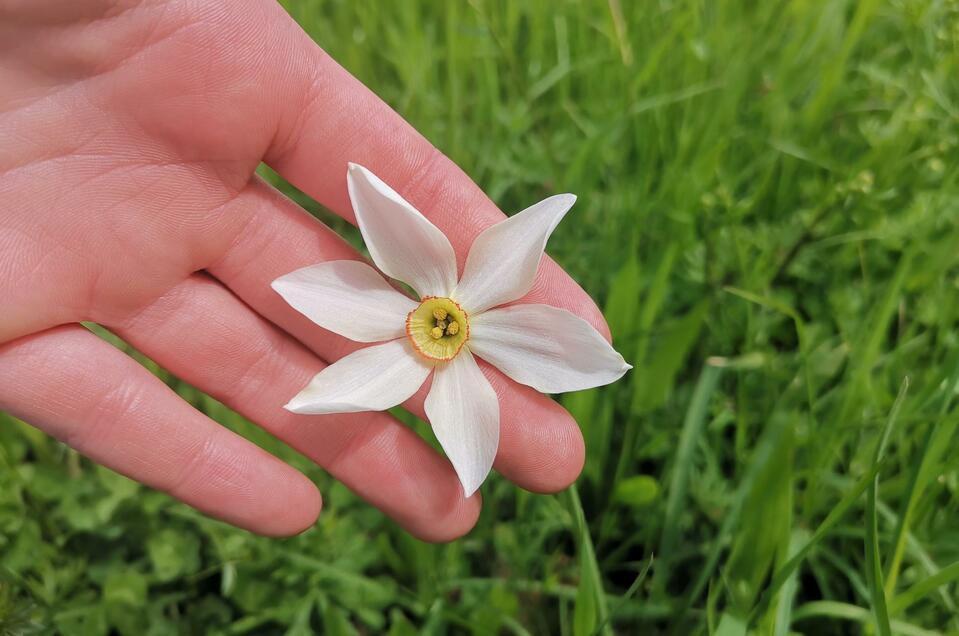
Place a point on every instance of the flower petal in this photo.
(372, 379)
(349, 298)
(402, 242)
(464, 411)
(503, 259)
(544, 347)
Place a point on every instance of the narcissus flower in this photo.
(544, 347)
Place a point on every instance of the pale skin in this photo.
(129, 136)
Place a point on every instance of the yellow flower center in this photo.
(438, 328)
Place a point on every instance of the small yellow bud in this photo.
(436, 333)
(453, 328)
(439, 313)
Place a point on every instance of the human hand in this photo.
(129, 136)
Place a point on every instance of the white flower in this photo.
(544, 347)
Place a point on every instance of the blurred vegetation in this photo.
(769, 214)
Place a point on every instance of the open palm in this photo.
(129, 135)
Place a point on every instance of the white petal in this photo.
(547, 348)
(402, 242)
(503, 260)
(349, 298)
(464, 411)
(372, 379)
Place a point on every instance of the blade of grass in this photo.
(833, 75)
(692, 429)
(783, 616)
(923, 472)
(765, 450)
(624, 606)
(628, 595)
(651, 305)
(730, 625)
(921, 558)
(798, 324)
(590, 598)
(832, 519)
(845, 611)
(929, 584)
(873, 558)
(867, 349)
(648, 311)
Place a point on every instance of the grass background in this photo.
(769, 214)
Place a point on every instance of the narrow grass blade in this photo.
(585, 613)
(643, 573)
(936, 443)
(682, 467)
(730, 625)
(946, 575)
(657, 374)
(798, 324)
(765, 451)
(764, 519)
(832, 519)
(783, 611)
(845, 611)
(590, 612)
(873, 558)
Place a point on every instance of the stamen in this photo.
(453, 328)
(436, 333)
(440, 314)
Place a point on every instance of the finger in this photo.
(202, 333)
(91, 396)
(541, 447)
(331, 119)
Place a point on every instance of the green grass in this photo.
(769, 213)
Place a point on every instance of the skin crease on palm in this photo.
(129, 136)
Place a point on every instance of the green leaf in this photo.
(125, 587)
(85, 620)
(639, 491)
(125, 595)
(173, 554)
(654, 378)
(400, 625)
(335, 622)
(622, 303)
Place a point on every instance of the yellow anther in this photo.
(438, 328)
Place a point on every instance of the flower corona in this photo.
(438, 328)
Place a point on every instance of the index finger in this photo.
(333, 119)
